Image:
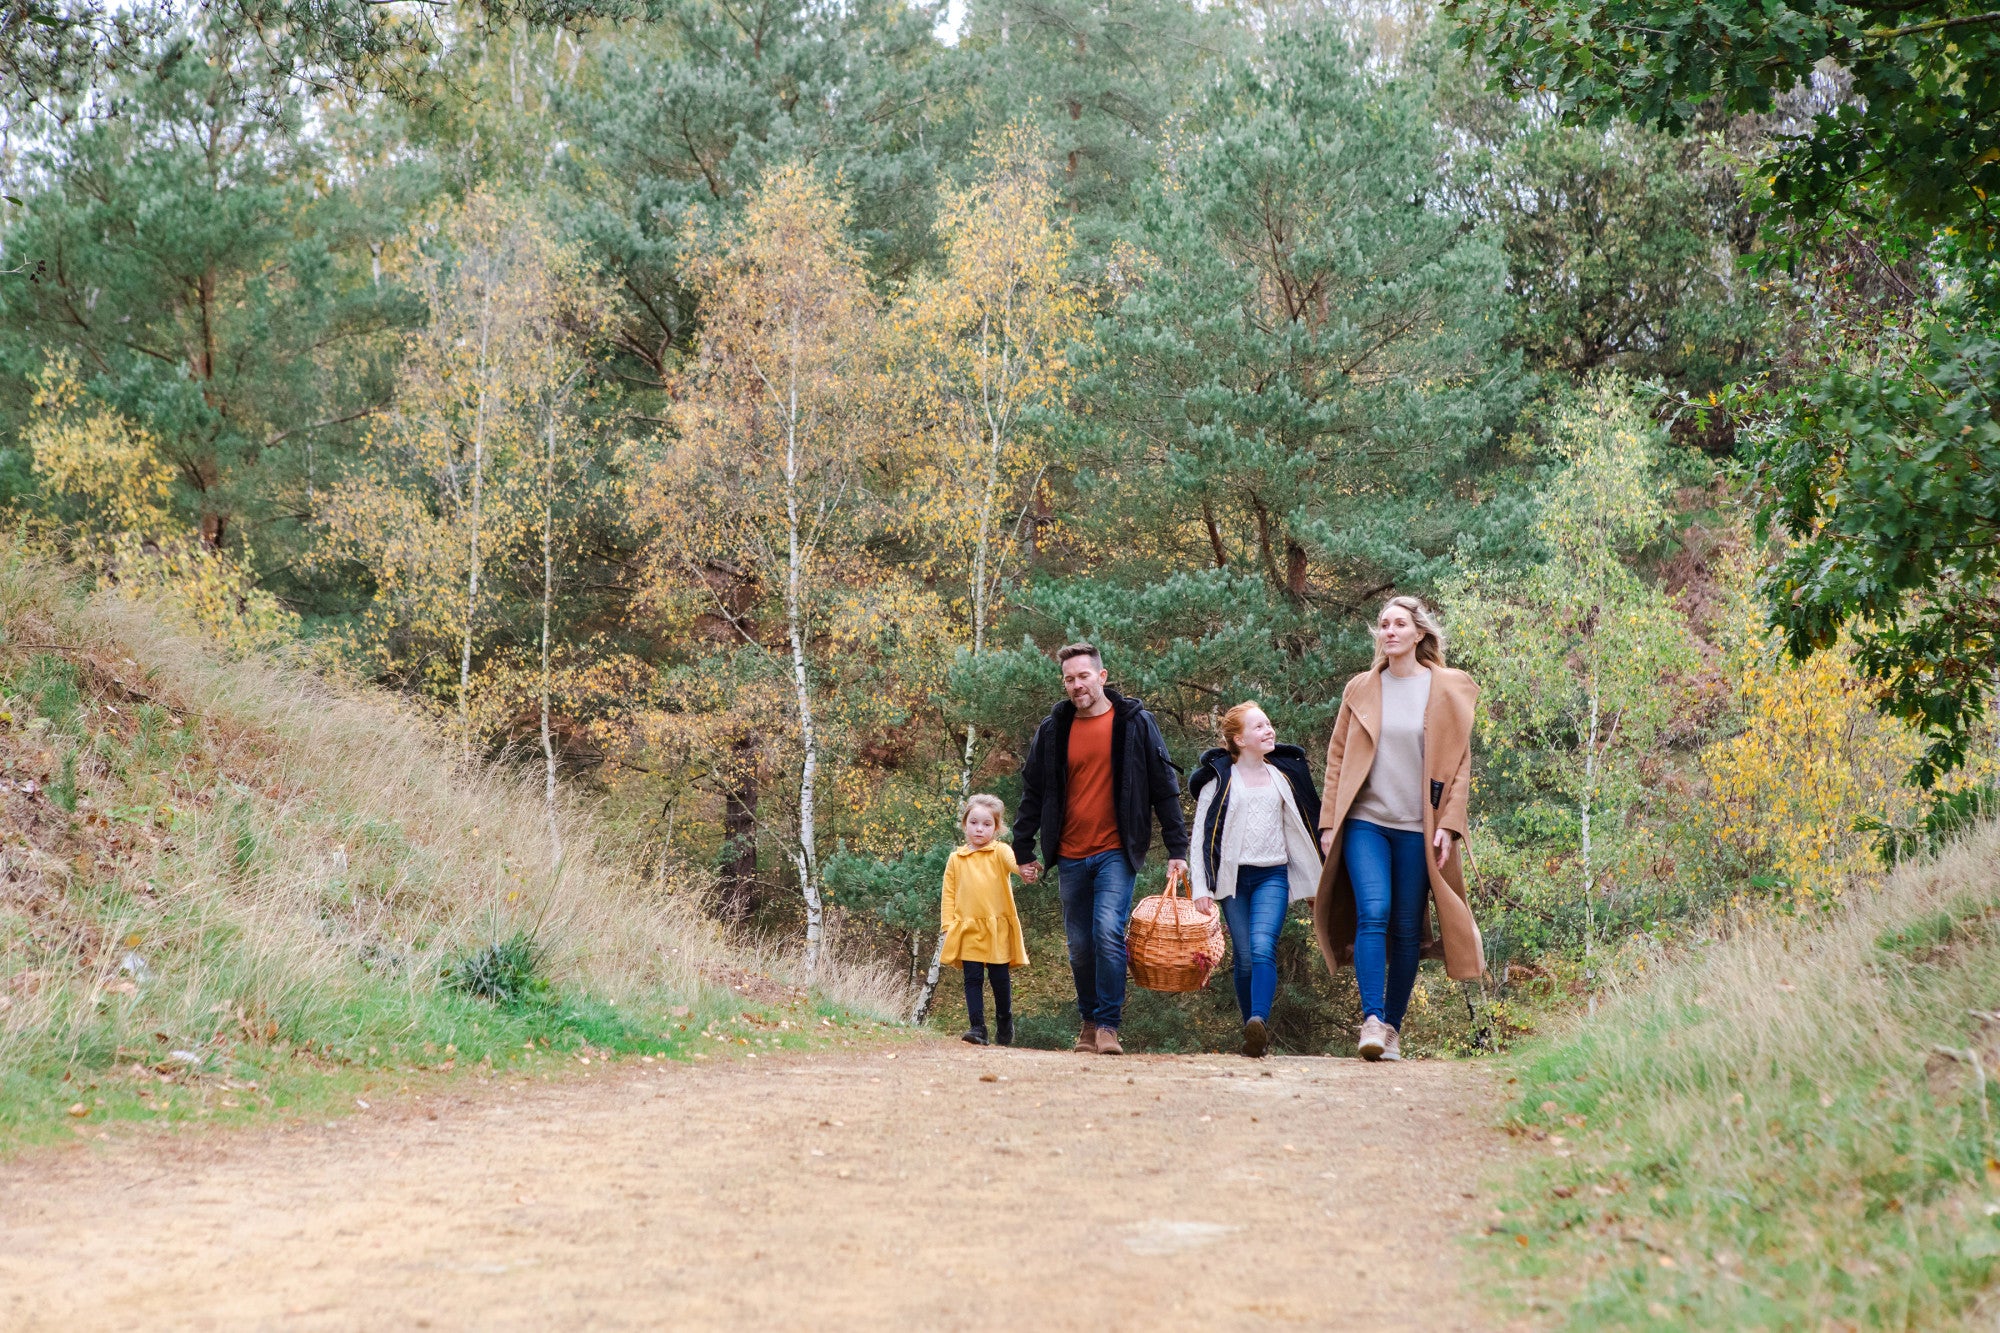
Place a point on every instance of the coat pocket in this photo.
(1437, 793)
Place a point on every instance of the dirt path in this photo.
(940, 1187)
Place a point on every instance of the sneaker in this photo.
(977, 1036)
(1374, 1039)
(1107, 1042)
(1392, 1049)
(1005, 1035)
(1086, 1040)
(1256, 1039)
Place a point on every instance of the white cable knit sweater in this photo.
(1301, 850)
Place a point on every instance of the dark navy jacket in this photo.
(1144, 785)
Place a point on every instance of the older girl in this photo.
(1398, 770)
(1254, 812)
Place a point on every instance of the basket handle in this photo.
(1176, 880)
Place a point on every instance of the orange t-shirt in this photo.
(1090, 816)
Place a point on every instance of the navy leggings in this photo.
(1391, 886)
(975, 992)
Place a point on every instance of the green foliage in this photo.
(1912, 133)
(210, 291)
(1577, 657)
(1948, 815)
(1303, 356)
(1621, 247)
(505, 972)
(903, 893)
(1887, 482)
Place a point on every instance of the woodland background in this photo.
(722, 409)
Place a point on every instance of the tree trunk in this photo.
(472, 556)
(928, 994)
(807, 857)
(1214, 535)
(548, 602)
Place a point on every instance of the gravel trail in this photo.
(932, 1186)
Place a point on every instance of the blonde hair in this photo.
(1430, 647)
(1232, 724)
(989, 803)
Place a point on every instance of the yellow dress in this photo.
(980, 923)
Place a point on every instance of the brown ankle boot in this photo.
(1086, 1040)
(1107, 1042)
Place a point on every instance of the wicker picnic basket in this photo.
(1173, 947)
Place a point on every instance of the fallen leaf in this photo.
(79, 1109)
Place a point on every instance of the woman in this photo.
(1254, 813)
(1398, 768)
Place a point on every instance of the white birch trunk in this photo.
(996, 444)
(808, 855)
(548, 601)
(478, 490)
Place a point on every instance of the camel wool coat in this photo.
(1350, 754)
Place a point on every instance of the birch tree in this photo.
(771, 417)
(977, 349)
(467, 465)
(1577, 656)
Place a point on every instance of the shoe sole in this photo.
(1256, 1039)
(1370, 1051)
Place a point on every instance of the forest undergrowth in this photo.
(232, 886)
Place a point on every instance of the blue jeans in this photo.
(1255, 915)
(1391, 887)
(1096, 893)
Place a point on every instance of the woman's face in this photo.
(979, 827)
(1258, 735)
(1397, 632)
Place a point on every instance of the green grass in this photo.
(220, 874)
(1794, 1128)
(237, 1082)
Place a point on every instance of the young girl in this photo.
(982, 929)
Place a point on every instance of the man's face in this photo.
(1083, 681)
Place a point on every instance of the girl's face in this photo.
(980, 827)
(1258, 736)
(1397, 632)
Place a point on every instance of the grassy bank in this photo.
(217, 874)
(1792, 1128)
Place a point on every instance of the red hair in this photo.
(1232, 724)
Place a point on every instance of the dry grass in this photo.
(1793, 1127)
(255, 854)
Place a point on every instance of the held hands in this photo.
(1030, 872)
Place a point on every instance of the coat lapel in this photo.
(1366, 701)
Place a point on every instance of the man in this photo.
(1096, 776)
